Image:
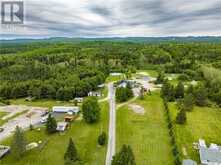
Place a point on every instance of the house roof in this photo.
(189, 162)
(210, 155)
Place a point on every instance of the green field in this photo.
(115, 78)
(202, 122)
(147, 134)
(39, 103)
(84, 136)
(152, 73)
(2, 114)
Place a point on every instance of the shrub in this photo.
(102, 138)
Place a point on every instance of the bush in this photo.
(102, 139)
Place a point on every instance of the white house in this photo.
(209, 155)
(95, 93)
(79, 99)
(64, 109)
(61, 126)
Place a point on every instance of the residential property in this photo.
(63, 109)
(101, 86)
(209, 155)
(61, 126)
(4, 150)
(189, 162)
(79, 99)
(115, 74)
(95, 93)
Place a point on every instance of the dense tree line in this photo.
(66, 70)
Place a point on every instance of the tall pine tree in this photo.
(18, 146)
(124, 157)
(71, 156)
(51, 124)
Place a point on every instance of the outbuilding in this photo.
(63, 109)
(61, 126)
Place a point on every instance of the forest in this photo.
(64, 71)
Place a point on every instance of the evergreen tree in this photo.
(18, 145)
(188, 102)
(51, 124)
(160, 78)
(167, 91)
(71, 156)
(124, 157)
(181, 117)
(91, 110)
(179, 90)
(102, 138)
(200, 95)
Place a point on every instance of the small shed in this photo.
(69, 118)
(61, 126)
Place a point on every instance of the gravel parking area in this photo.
(33, 116)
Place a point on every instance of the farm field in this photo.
(202, 122)
(84, 136)
(147, 134)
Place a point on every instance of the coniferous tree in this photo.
(188, 102)
(18, 146)
(200, 95)
(179, 90)
(124, 157)
(51, 124)
(71, 156)
(181, 117)
(167, 91)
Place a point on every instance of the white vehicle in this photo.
(44, 119)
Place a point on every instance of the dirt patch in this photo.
(137, 109)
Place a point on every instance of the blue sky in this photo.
(117, 18)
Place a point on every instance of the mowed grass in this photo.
(202, 122)
(85, 139)
(114, 78)
(151, 73)
(147, 134)
(2, 114)
(40, 102)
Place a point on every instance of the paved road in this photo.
(112, 124)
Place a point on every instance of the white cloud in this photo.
(83, 18)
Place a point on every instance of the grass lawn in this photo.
(115, 78)
(202, 122)
(2, 114)
(147, 134)
(84, 136)
(39, 102)
(152, 73)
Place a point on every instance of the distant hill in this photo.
(119, 39)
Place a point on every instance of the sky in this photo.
(117, 18)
